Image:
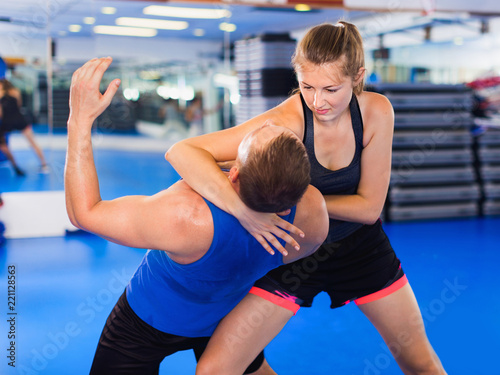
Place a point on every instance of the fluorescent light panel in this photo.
(125, 31)
(151, 23)
(108, 10)
(198, 32)
(302, 8)
(229, 27)
(180, 12)
(75, 28)
(89, 20)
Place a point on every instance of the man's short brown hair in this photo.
(274, 177)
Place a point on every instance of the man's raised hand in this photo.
(86, 101)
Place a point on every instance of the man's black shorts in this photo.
(130, 346)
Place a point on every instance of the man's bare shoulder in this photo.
(188, 204)
(186, 222)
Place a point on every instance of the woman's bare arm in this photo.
(365, 206)
(195, 159)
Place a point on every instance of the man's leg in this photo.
(123, 345)
(109, 360)
(241, 336)
(398, 319)
(130, 346)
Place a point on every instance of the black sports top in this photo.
(12, 119)
(343, 181)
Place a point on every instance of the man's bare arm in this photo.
(158, 222)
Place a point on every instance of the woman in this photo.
(12, 119)
(348, 135)
(5, 150)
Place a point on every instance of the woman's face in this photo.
(326, 90)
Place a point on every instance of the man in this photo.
(204, 262)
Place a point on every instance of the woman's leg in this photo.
(28, 133)
(5, 149)
(241, 336)
(398, 319)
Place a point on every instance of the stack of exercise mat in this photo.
(488, 153)
(433, 165)
(264, 71)
(487, 141)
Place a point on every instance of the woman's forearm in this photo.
(200, 170)
(353, 208)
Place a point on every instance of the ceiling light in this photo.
(174, 93)
(89, 20)
(74, 28)
(167, 11)
(108, 10)
(229, 27)
(163, 91)
(151, 23)
(125, 31)
(198, 32)
(234, 98)
(131, 94)
(150, 75)
(187, 93)
(225, 80)
(302, 8)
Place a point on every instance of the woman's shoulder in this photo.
(289, 113)
(377, 113)
(374, 106)
(15, 93)
(292, 104)
(373, 102)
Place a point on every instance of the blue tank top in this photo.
(190, 299)
(343, 181)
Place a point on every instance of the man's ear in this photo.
(234, 174)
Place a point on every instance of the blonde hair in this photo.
(327, 43)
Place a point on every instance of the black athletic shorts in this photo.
(361, 267)
(130, 346)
